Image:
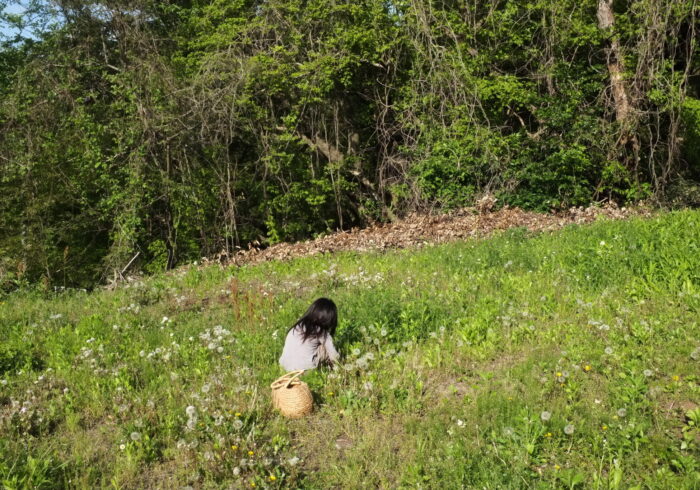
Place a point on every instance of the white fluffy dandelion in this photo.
(569, 429)
(545, 416)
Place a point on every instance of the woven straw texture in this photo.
(291, 396)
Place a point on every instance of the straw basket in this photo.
(291, 396)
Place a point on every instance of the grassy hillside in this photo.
(550, 360)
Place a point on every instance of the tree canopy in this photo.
(179, 129)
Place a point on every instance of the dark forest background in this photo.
(181, 129)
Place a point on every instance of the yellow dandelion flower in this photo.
(676, 378)
(557, 467)
(251, 453)
(234, 447)
(273, 477)
(604, 427)
(238, 414)
(587, 367)
(548, 434)
(252, 484)
(330, 393)
(558, 374)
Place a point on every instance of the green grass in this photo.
(452, 356)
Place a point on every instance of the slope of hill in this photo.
(550, 359)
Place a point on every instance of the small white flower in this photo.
(122, 446)
(460, 423)
(545, 416)
(165, 319)
(236, 471)
(142, 353)
(384, 332)
(3, 382)
(602, 243)
(191, 411)
(569, 429)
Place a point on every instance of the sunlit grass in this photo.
(558, 359)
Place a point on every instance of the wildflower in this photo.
(604, 427)
(237, 424)
(206, 388)
(508, 431)
(460, 423)
(621, 412)
(293, 461)
(548, 435)
(273, 477)
(191, 411)
(557, 467)
(587, 367)
(238, 414)
(330, 393)
(545, 416)
(251, 453)
(356, 352)
(676, 378)
(559, 375)
(234, 447)
(3, 382)
(569, 429)
(608, 350)
(236, 471)
(165, 319)
(122, 446)
(648, 373)
(384, 332)
(695, 355)
(252, 484)
(135, 436)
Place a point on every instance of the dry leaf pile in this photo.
(417, 230)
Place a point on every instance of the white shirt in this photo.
(298, 354)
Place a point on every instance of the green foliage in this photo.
(183, 129)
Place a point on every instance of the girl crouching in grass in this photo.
(309, 343)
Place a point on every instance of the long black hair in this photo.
(320, 319)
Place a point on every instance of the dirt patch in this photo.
(417, 230)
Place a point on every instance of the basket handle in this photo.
(287, 379)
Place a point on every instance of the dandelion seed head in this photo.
(608, 350)
(621, 412)
(648, 373)
(569, 429)
(135, 436)
(545, 416)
